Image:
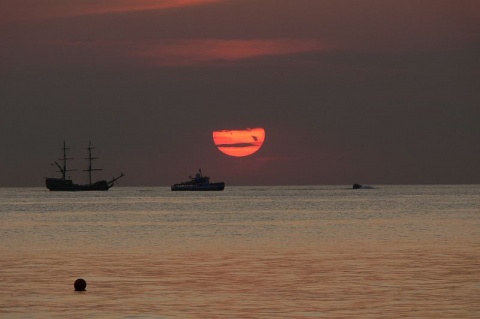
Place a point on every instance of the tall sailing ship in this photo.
(66, 184)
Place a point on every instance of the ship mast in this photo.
(90, 158)
(64, 169)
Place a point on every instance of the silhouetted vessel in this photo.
(198, 183)
(359, 186)
(65, 184)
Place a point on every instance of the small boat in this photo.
(198, 183)
(359, 186)
(66, 184)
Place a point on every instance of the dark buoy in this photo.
(80, 284)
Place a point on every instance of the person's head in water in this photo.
(80, 284)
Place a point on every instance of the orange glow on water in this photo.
(239, 142)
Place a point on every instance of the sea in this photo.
(395, 251)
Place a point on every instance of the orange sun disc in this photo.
(239, 142)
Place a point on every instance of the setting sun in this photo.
(239, 142)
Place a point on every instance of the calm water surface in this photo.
(246, 252)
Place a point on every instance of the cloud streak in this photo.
(39, 10)
(169, 53)
(207, 51)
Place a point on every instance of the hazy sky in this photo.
(367, 91)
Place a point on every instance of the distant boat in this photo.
(198, 183)
(66, 184)
(359, 186)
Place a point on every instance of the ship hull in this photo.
(58, 184)
(193, 187)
